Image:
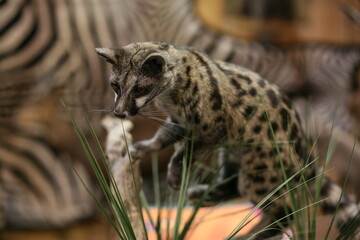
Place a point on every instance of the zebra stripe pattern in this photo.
(50, 44)
(38, 184)
(47, 45)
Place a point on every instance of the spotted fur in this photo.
(211, 103)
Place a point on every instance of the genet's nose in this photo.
(120, 115)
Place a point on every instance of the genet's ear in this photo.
(153, 65)
(108, 54)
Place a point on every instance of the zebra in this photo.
(39, 184)
(49, 45)
(48, 193)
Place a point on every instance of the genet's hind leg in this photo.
(226, 183)
(257, 180)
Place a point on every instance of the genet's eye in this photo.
(141, 90)
(116, 88)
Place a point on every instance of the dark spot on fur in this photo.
(262, 155)
(275, 151)
(273, 127)
(193, 104)
(261, 191)
(217, 99)
(257, 129)
(188, 83)
(279, 163)
(249, 111)
(215, 95)
(188, 101)
(252, 92)
(197, 119)
(287, 101)
(235, 83)
(237, 103)
(273, 179)
(263, 117)
(298, 148)
(241, 131)
(205, 127)
(272, 97)
(219, 119)
(250, 142)
(262, 83)
(258, 178)
(294, 132)
(188, 70)
(194, 118)
(240, 93)
(184, 59)
(195, 89)
(261, 167)
(272, 153)
(246, 78)
(285, 118)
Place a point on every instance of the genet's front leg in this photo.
(186, 151)
(167, 134)
(175, 167)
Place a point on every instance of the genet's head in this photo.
(139, 73)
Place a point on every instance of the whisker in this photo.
(100, 110)
(160, 125)
(158, 118)
(165, 121)
(155, 114)
(167, 107)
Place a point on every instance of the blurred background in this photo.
(282, 21)
(47, 54)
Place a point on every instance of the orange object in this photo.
(212, 223)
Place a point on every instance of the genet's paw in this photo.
(197, 192)
(174, 176)
(139, 149)
(174, 181)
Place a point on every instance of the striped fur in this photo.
(38, 183)
(47, 45)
